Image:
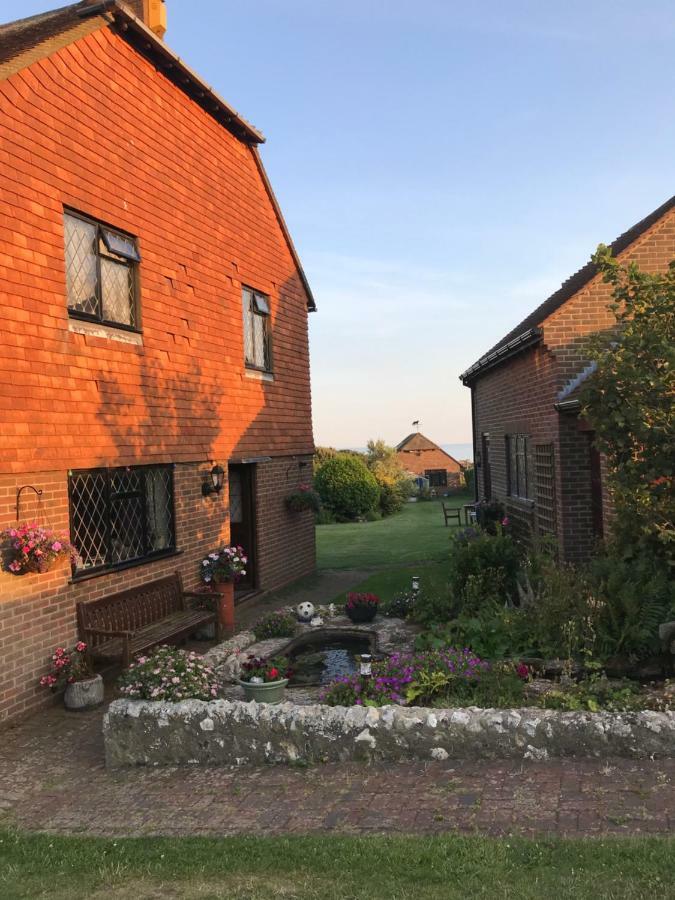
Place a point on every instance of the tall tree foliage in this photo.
(629, 402)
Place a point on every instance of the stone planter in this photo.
(268, 692)
(84, 694)
(362, 613)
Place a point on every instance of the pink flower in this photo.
(522, 671)
(57, 546)
(80, 646)
(506, 521)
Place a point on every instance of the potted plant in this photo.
(222, 569)
(35, 549)
(264, 680)
(72, 669)
(303, 498)
(362, 607)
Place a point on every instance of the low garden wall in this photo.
(228, 733)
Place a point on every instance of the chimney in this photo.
(152, 12)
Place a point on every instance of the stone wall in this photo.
(224, 733)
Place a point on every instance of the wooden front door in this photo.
(242, 522)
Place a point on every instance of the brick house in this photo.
(154, 324)
(420, 456)
(533, 451)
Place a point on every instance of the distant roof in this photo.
(417, 441)
(527, 332)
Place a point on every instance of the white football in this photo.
(305, 611)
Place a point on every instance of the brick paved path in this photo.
(52, 778)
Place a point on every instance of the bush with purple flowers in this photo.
(456, 676)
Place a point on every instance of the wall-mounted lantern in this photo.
(215, 481)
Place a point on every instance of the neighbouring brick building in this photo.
(532, 449)
(420, 456)
(153, 324)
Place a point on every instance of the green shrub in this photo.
(634, 598)
(483, 568)
(346, 486)
(275, 624)
(373, 515)
(470, 480)
(325, 517)
(392, 498)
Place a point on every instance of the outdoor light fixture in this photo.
(215, 485)
(416, 583)
(366, 667)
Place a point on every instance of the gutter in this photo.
(564, 406)
(522, 342)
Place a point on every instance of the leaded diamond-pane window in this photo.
(100, 272)
(121, 515)
(257, 341)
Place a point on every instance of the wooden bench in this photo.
(125, 624)
(450, 513)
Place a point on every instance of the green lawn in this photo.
(334, 868)
(434, 580)
(418, 533)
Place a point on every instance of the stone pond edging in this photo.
(231, 733)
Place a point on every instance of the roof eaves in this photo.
(178, 71)
(495, 357)
(571, 286)
(311, 303)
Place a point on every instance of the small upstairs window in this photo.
(101, 272)
(257, 331)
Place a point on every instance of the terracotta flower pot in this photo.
(225, 589)
(269, 692)
(85, 694)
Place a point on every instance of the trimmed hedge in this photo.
(347, 487)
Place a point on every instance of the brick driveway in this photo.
(52, 779)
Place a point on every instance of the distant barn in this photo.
(420, 456)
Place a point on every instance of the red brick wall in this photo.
(418, 462)
(285, 539)
(134, 151)
(519, 396)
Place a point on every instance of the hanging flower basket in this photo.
(33, 549)
(303, 498)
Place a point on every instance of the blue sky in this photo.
(443, 166)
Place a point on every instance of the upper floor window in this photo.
(101, 272)
(257, 337)
(516, 465)
(119, 516)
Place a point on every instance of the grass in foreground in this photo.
(334, 868)
(417, 533)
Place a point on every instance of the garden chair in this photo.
(451, 513)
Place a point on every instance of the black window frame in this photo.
(148, 556)
(258, 305)
(517, 463)
(432, 474)
(104, 232)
